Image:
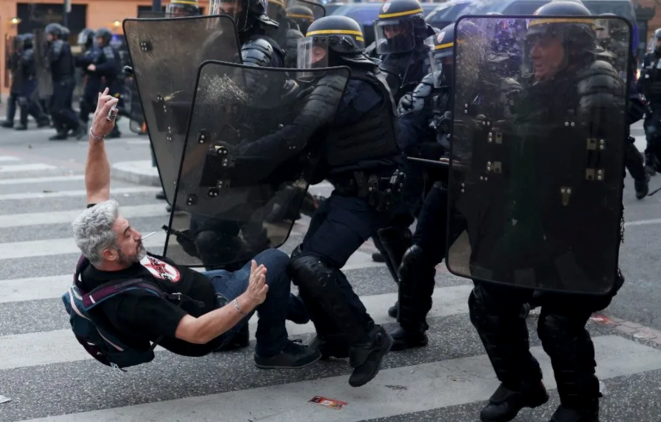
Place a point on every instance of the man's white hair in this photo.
(93, 230)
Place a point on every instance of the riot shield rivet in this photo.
(566, 123)
(573, 124)
(481, 178)
(486, 178)
(159, 98)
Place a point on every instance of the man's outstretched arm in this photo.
(97, 168)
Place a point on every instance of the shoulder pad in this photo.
(257, 52)
(108, 52)
(58, 46)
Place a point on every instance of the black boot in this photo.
(331, 346)
(393, 311)
(60, 136)
(405, 339)
(589, 414)
(21, 127)
(378, 257)
(366, 358)
(642, 187)
(650, 163)
(7, 124)
(505, 404)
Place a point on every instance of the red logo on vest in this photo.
(160, 269)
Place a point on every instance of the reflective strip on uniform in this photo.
(394, 15)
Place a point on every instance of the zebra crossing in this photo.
(49, 377)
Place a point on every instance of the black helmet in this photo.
(302, 16)
(440, 54)
(182, 8)
(342, 39)
(27, 40)
(400, 26)
(65, 31)
(54, 29)
(86, 38)
(105, 35)
(577, 35)
(246, 13)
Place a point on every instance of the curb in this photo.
(138, 172)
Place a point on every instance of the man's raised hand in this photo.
(104, 121)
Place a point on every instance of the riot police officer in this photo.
(62, 70)
(400, 32)
(182, 8)
(26, 100)
(108, 67)
(358, 157)
(568, 84)
(423, 131)
(649, 84)
(615, 42)
(15, 89)
(300, 18)
(93, 80)
(254, 27)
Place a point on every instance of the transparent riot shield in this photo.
(165, 54)
(44, 77)
(318, 10)
(249, 147)
(536, 168)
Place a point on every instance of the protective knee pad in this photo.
(571, 350)
(321, 283)
(504, 334)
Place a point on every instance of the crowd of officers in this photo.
(43, 74)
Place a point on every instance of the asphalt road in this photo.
(46, 374)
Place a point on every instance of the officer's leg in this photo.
(337, 230)
(417, 271)
(561, 329)
(497, 314)
(69, 116)
(11, 110)
(636, 166)
(24, 105)
(55, 107)
(652, 135)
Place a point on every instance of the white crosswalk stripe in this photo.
(50, 377)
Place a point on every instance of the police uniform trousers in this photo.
(64, 118)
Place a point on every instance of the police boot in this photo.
(642, 186)
(650, 165)
(588, 414)
(331, 346)
(7, 124)
(394, 243)
(416, 287)
(21, 127)
(505, 404)
(366, 357)
(59, 136)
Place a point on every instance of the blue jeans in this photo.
(271, 332)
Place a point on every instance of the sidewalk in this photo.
(139, 172)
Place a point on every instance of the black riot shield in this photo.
(44, 77)
(318, 10)
(247, 148)
(151, 14)
(165, 54)
(536, 169)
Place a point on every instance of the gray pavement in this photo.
(47, 375)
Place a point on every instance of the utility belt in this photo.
(381, 192)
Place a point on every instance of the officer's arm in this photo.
(109, 66)
(97, 168)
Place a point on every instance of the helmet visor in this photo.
(312, 52)
(394, 36)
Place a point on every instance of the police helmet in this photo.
(400, 27)
(86, 38)
(27, 40)
(339, 37)
(441, 52)
(105, 35)
(657, 34)
(65, 32)
(246, 13)
(54, 29)
(182, 8)
(302, 16)
(576, 34)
